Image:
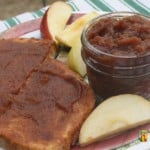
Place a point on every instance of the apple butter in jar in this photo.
(116, 50)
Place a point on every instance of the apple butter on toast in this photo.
(18, 58)
(47, 111)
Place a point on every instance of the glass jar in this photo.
(112, 74)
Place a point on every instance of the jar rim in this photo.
(95, 20)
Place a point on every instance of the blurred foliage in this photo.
(9, 8)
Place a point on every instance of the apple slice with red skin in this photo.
(55, 19)
(116, 141)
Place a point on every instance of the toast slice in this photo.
(48, 111)
(18, 58)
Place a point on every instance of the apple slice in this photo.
(74, 30)
(116, 114)
(75, 61)
(55, 19)
(70, 36)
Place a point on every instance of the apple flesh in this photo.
(55, 19)
(114, 115)
(75, 60)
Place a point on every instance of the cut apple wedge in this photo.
(75, 61)
(74, 30)
(115, 115)
(70, 37)
(55, 19)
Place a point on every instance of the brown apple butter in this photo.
(116, 50)
(129, 36)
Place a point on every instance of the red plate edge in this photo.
(22, 29)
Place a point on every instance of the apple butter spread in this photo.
(116, 50)
(49, 109)
(129, 36)
(18, 58)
